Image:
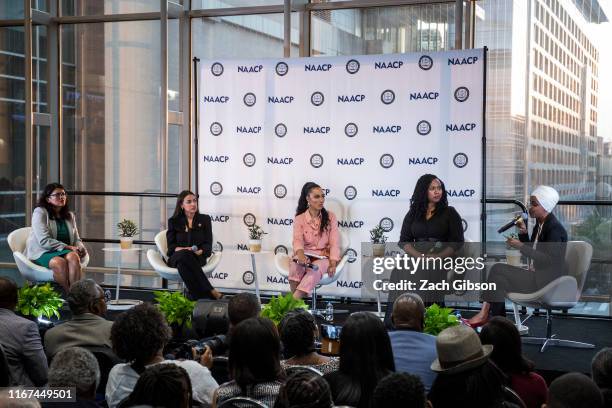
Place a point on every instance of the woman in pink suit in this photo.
(315, 231)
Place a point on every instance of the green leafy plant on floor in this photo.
(438, 318)
(278, 307)
(176, 308)
(39, 300)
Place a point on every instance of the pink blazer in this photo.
(306, 235)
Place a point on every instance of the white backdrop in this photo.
(365, 128)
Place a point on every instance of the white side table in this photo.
(123, 304)
(253, 265)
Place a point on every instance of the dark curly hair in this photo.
(399, 390)
(419, 201)
(64, 213)
(138, 334)
(162, 385)
(303, 205)
(304, 389)
(297, 333)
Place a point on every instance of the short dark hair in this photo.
(162, 385)
(242, 306)
(64, 213)
(297, 333)
(399, 390)
(254, 353)
(601, 368)
(507, 347)
(81, 296)
(574, 390)
(138, 334)
(8, 293)
(304, 389)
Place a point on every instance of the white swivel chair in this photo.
(562, 293)
(158, 257)
(28, 269)
(282, 262)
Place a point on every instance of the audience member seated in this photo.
(413, 350)
(20, 340)
(573, 390)
(304, 389)
(508, 357)
(466, 377)
(254, 363)
(365, 358)
(9, 401)
(161, 385)
(88, 327)
(242, 306)
(75, 367)
(601, 372)
(400, 390)
(139, 336)
(298, 331)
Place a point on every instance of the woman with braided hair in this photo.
(298, 331)
(304, 389)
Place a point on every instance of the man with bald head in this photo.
(413, 350)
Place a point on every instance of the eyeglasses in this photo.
(59, 195)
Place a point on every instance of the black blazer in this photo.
(548, 259)
(179, 235)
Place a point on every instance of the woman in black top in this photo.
(431, 229)
(189, 239)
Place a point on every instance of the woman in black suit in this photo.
(189, 239)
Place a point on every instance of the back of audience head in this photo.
(242, 306)
(139, 334)
(507, 347)
(601, 368)
(254, 353)
(297, 331)
(8, 294)
(75, 367)
(7, 400)
(573, 390)
(304, 389)
(162, 385)
(86, 296)
(400, 390)
(408, 312)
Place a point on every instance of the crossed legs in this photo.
(66, 270)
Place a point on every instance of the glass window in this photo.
(95, 7)
(213, 4)
(12, 9)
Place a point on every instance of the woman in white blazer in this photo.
(54, 242)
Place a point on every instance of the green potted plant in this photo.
(378, 238)
(127, 231)
(39, 300)
(255, 234)
(278, 306)
(438, 318)
(513, 255)
(177, 309)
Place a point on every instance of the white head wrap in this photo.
(547, 197)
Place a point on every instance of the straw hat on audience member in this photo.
(459, 349)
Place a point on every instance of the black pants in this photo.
(189, 266)
(508, 278)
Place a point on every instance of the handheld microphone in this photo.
(512, 223)
(310, 265)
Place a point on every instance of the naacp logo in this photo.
(460, 160)
(317, 98)
(248, 277)
(316, 160)
(216, 69)
(280, 130)
(462, 94)
(282, 68)
(351, 129)
(249, 99)
(249, 159)
(465, 224)
(217, 247)
(280, 191)
(423, 128)
(425, 62)
(249, 219)
(387, 97)
(386, 224)
(352, 66)
(350, 193)
(281, 249)
(216, 128)
(216, 188)
(352, 255)
(386, 161)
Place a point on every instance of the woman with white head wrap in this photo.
(545, 249)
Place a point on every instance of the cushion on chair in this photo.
(558, 294)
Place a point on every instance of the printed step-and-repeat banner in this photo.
(365, 128)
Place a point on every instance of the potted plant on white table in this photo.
(127, 231)
(255, 234)
(378, 238)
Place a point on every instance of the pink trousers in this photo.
(308, 278)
